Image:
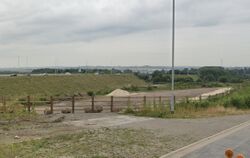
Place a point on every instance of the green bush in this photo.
(223, 79)
(91, 93)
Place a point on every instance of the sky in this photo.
(36, 33)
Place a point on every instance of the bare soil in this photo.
(160, 136)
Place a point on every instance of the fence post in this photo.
(154, 103)
(73, 104)
(112, 104)
(144, 101)
(200, 98)
(51, 104)
(4, 104)
(28, 103)
(159, 100)
(93, 103)
(187, 100)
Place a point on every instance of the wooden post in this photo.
(4, 104)
(93, 103)
(160, 101)
(51, 104)
(154, 103)
(144, 101)
(112, 104)
(73, 104)
(200, 98)
(28, 103)
(187, 100)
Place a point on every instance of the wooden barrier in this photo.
(93, 103)
(144, 101)
(112, 104)
(73, 104)
(51, 104)
(28, 103)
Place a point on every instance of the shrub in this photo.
(223, 79)
(247, 101)
(238, 102)
(91, 93)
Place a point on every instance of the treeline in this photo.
(74, 71)
(204, 74)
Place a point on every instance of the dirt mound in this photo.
(119, 93)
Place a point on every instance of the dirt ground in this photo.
(193, 128)
(183, 131)
(135, 99)
(178, 93)
(127, 136)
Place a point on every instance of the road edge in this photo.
(203, 142)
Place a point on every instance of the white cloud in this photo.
(42, 27)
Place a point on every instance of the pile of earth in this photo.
(119, 93)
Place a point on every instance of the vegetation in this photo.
(95, 143)
(198, 76)
(43, 86)
(15, 112)
(238, 102)
(77, 70)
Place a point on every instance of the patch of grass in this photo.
(95, 143)
(44, 86)
(240, 98)
(191, 110)
(16, 112)
(238, 102)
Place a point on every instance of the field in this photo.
(237, 102)
(64, 85)
(24, 134)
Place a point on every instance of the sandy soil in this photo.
(176, 133)
(134, 99)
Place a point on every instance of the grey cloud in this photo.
(46, 21)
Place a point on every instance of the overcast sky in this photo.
(123, 32)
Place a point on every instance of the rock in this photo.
(4, 122)
(117, 109)
(97, 109)
(47, 112)
(59, 119)
(11, 111)
(17, 137)
(88, 110)
(66, 111)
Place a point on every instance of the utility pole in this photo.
(173, 57)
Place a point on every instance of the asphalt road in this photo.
(238, 141)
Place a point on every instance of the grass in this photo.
(101, 143)
(238, 102)
(64, 85)
(186, 112)
(15, 112)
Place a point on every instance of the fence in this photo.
(103, 103)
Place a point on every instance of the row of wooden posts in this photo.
(51, 103)
(28, 104)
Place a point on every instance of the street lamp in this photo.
(173, 69)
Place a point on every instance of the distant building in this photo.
(79, 70)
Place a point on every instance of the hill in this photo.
(64, 85)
